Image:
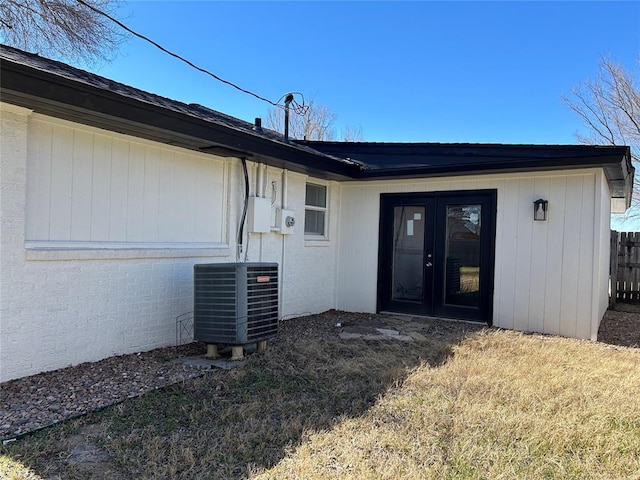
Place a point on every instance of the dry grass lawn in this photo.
(474, 403)
(506, 405)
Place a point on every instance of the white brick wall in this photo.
(64, 307)
(13, 148)
(308, 282)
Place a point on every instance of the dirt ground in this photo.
(621, 326)
(34, 402)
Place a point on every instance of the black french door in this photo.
(436, 254)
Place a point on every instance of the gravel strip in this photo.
(621, 327)
(34, 402)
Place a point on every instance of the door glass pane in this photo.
(462, 255)
(408, 253)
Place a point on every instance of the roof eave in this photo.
(60, 97)
(482, 159)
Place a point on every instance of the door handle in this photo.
(429, 264)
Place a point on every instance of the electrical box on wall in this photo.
(286, 221)
(259, 215)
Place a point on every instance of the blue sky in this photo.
(402, 71)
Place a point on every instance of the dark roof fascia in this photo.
(440, 160)
(502, 165)
(462, 150)
(52, 94)
(55, 89)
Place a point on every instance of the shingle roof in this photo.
(52, 100)
(57, 89)
(77, 75)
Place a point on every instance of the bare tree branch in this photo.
(610, 109)
(316, 124)
(352, 134)
(610, 105)
(591, 115)
(60, 28)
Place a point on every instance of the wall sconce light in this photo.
(540, 209)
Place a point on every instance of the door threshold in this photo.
(429, 317)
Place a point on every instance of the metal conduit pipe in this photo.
(283, 205)
(265, 178)
(285, 181)
(258, 169)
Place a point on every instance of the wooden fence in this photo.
(625, 268)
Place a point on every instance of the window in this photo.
(315, 210)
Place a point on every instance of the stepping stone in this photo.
(349, 336)
(206, 363)
(386, 331)
(377, 337)
(402, 338)
(417, 336)
(415, 325)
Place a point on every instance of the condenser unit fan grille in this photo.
(235, 303)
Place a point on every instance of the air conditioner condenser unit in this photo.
(235, 303)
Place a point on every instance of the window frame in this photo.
(315, 208)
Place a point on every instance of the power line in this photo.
(299, 108)
(175, 55)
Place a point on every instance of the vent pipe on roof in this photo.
(287, 101)
(258, 124)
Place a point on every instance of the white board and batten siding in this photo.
(549, 277)
(86, 185)
(603, 211)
